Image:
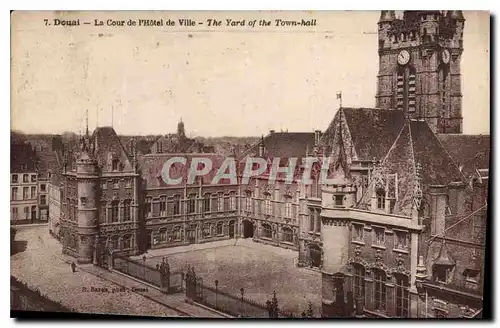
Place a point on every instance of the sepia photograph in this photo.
(250, 164)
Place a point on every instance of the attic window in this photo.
(339, 200)
(380, 193)
(115, 163)
(442, 273)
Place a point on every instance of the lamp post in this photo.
(242, 292)
(216, 291)
(144, 263)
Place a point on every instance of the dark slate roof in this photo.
(22, 158)
(108, 144)
(289, 144)
(470, 152)
(437, 165)
(151, 166)
(416, 145)
(47, 162)
(373, 130)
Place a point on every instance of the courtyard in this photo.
(259, 269)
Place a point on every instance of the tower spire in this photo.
(87, 122)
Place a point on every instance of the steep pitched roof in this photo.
(22, 158)
(108, 147)
(416, 157)
(470, 152)
(284, 144)
(370, 131)
(151, 167)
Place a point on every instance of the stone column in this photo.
(369, 293)
(391, 298)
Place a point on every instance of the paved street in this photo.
(40, 264)
(257, 268)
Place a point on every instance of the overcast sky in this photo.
(224, 81)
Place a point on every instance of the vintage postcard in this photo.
(250, 164)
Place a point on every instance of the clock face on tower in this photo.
(446, 56)
(403, 57)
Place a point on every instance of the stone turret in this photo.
(88, 183)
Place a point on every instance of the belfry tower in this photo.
(419, 66)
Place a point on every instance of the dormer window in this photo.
(115, 164)
(339, 200)
(380, 193)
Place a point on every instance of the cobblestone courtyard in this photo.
(259, 269)
(40, 264)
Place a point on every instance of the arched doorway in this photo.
(315, 256)
(247, 229)
(231, 229)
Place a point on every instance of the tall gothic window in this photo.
(163, 205)
(380, 193)
(402, 295)
(379, 290)
(220, 202)
(288, 208)
(311, 220)
(206, 203)
(405, 93)
(359, 280)
(267, 205)
(192, 203)
(114, 211)
(232, 201)
(177, 205)
(248, 201)
(127, 210)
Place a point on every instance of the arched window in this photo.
(359, 280)
(114, 211)
(232, 201)
(207, 229)
(287, 235)
(220, 202)
(288, 208)
(267, 205)
(405, 93)
(177, 205)
(177, 234)
(267, 232)
(380, 294)
(127, 210)
(162, 235)
(402, 295)
(127, 242)
(115, 242)
(220, 230)
(192, 203)
(163, 205)
(206, 203)
(248, 201)
(380, 193)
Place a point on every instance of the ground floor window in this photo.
(380, 278)
(267, 232)
(359, 280)
(287, 235)
(315, 254)
(220, 230)
(127, 242)
(402, 296)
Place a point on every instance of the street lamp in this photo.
(242, 292)
(144, 262)
(216, 291)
